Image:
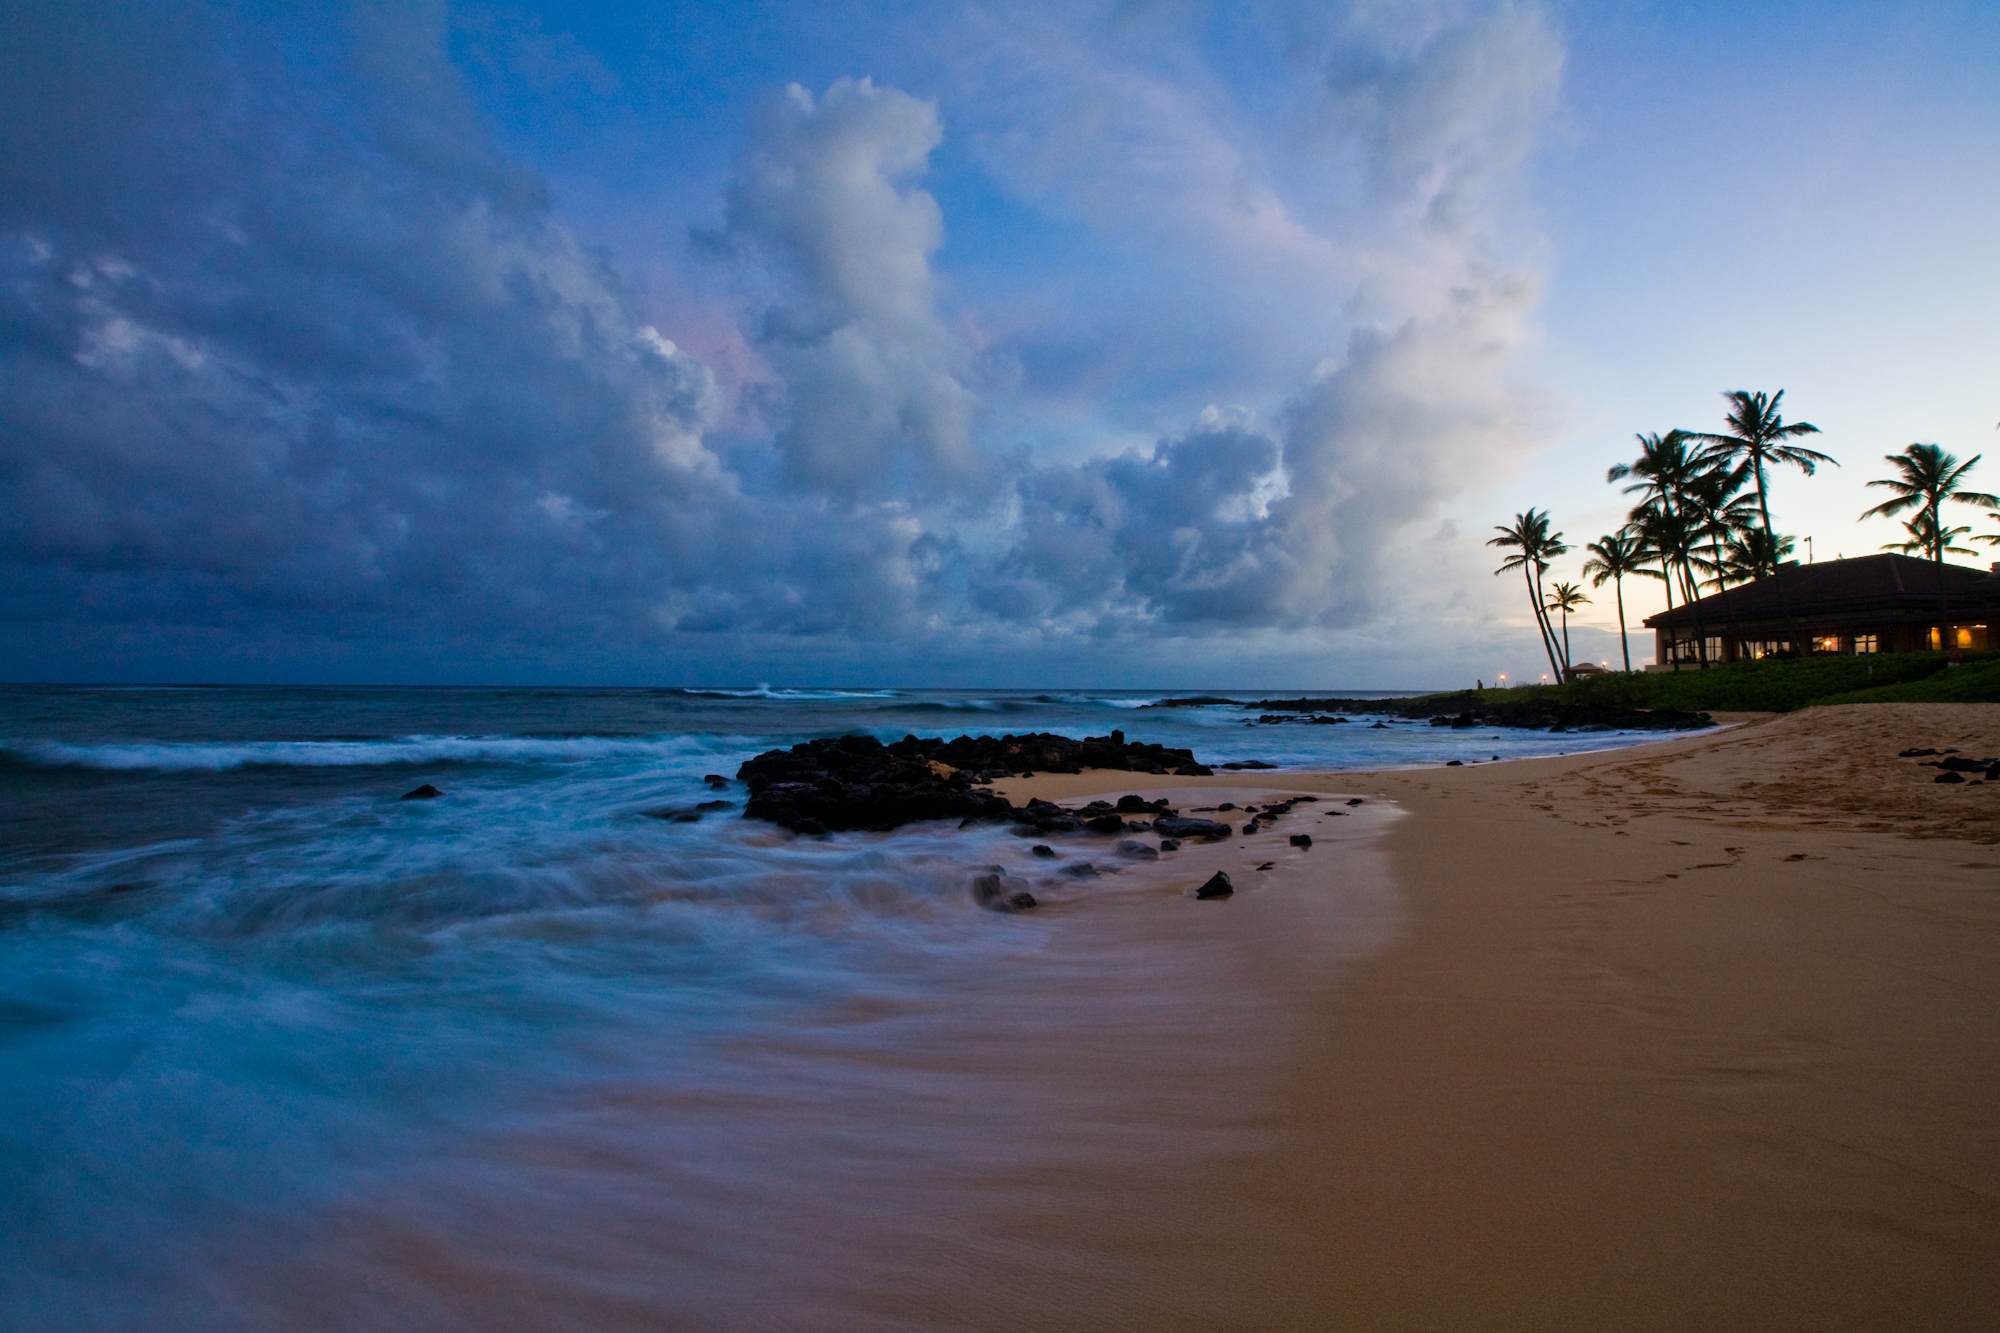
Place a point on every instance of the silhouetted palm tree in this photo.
(1925, 540)
(1718, 510)
(1748, 554)
(1757, 436)
(1534, 546)
(1565, 597)
(1663, 473)
(1926, 477)
(1617, 556)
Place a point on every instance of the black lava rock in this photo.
(991, 892)
(1170, 844)
(1181, 826)
(423, 793)
(1301, 840)
(1218, 886)
(1471, 709)
(1949, 777)
(856, 782)
(715, 779)
(1105, 824)
(1044, 851)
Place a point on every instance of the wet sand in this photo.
(1700, 1035)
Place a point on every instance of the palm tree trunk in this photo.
(1541, 622)
(1667, 581)
(1799, 646)
(1722, 587)
(1937, 558)
(1566, 657)
(1624, 643)
(1694, 604)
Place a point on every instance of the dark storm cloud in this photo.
(289, 348)
(284, 340)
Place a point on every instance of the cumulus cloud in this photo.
(292, 350)
(1295, 524)
(873, 398)
(320, 363)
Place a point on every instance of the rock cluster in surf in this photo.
(1472, 709)
(857, 782)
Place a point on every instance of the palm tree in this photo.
(1533, 546)
(1665, 471)
(1757, 436)
(1565, 597)
(1926, 477)
(1617, 556)
(1748, 554)
(1756, 439)
(1925, 540)
(1718, 511)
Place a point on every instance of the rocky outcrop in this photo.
(1472, 709)
(857, 782)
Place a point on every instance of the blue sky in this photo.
(1125, 344)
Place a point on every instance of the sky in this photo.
(1122, 344)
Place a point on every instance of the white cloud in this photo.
(871, 371)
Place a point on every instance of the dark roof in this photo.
(1885, 582)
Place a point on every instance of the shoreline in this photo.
(1699, 1033)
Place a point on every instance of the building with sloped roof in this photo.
(1884, 603)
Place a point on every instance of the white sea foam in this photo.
(194, 756)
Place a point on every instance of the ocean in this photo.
(279, 1050)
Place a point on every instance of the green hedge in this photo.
(1976, 682)
(1779, 686)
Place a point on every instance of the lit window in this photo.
(1827, 643)
(1867, 643)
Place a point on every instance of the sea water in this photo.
(280, 1050)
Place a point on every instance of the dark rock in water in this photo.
(1267, 865)
(687, 814)
(1194, 771)
(715, 779)
(856, 782)
(1240, 764)
(811, 828)
(1138, 849)
(1454, 763)
(991, 892)
(1301, 840)
(423, 793)
(1106, 824)
(1180, 826)
(1170, 844)
(1227, 805)
(1138, 805)
(1949, 777)
(1251, 827)
(1378, 726)
(1218, 886)
(1469, 708)
(1081, 870)
(1044, 851)
(1966, 765)
(1914, 754)
(1355, 800)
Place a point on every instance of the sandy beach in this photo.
(1704, 1034)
